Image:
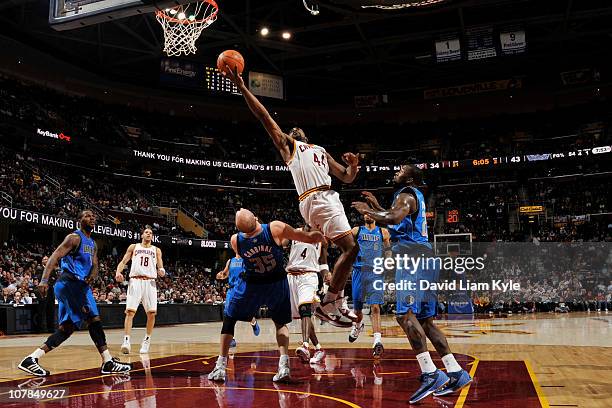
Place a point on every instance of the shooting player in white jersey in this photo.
(146, 266)
(320, 206)
(305, 262)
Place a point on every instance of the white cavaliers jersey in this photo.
(309, 167)
(144, 261)
(304, 257)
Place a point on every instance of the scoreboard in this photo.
(489, 162)
(216, 82)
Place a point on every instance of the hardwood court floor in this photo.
(522, 361)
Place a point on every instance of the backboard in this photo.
(70, 14)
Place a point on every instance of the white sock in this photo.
(106, 356)
(377, 338)
(147, 337)
(222, 361)
(451, 364)
(318, 347)
(305, 345)
(126, 339)
(38, 353)
(330, 297)
(344, 301)
(426, 363)
(283, 361)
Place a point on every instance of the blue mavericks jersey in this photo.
(80, 261)
(263, 258)
(236, 267)
(370, 246)
(413, 228)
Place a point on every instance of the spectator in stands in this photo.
(18, 299)
(6, 296)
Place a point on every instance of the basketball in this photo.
(232, 59)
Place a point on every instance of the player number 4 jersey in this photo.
(304, 257)
(309, 167)
(144, 261)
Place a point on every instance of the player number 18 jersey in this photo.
(144, 261)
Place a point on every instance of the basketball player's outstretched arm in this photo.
(344, 174)
(71, 242)
(123, 263)
(404, 205)
(372, 200)
(281, 140)
(281, 231)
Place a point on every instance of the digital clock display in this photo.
(452, 216)
(481, 162)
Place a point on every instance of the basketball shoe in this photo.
(303, 353)
(115, 366)
(355, 331)
(30, 365)
(430, 382)
(218, 373)
(458, 380)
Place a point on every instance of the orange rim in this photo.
(212, 16)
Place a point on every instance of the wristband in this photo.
(44, 281)
(163, 270)
(323, 267)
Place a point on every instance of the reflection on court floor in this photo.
(347, 378)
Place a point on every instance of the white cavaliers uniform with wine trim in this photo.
(302, 270)
(143, 271)
(319, 204)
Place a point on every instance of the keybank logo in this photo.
(60, 136)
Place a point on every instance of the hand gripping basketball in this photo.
(234, 76)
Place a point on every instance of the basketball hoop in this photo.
(183, 25)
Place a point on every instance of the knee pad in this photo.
(305, 310)
(97, 333)
(228, 325)
(61, 335)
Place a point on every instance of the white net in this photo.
(184, 24)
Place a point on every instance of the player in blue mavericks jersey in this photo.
(373, 243)
(78, 258)
(265, 283)
(416, 310)
(234, 269)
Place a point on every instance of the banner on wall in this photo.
(475, 88)
(173, 158)
(181, 73)
(480, 43)
(60, 136)
(513, 42)
(16, 215)
(266, 85)
(448, 50)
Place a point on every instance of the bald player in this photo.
(311, 168)
(265, 283)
